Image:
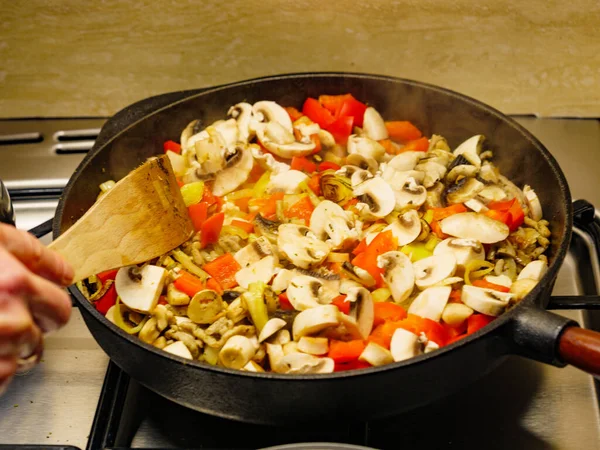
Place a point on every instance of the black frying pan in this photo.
(139, 131)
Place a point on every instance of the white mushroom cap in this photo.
(253, 252)
(304, 292)
(177, 163)
(237, 352)
(314, 320)
(268, 111)
(313, 345)
(430, 347)
(271, 327)
(431, 302)
(476, 206)
(236, 172)
(434, 269)
(533, 202)
(404, 345)
(535, 270)
(361, 309)
(362, 162)
(178, 348)
(433, 172)
(406, 228)
(275, 354)
(290, 347)
(406, 161)
(475, 226)
(329, 220)
(501, 280)
(262, 270)
(410, 194)
(282, 280)
(300, 245)
(456, 313)
(359, 176)
(520, 288)
(302, 363)
(365, 147)
(373, 125)
(464, 250)
(492, 193)
(287, 182)
(470, 149)
(398, 274)
(140, 292)
(375, 197)
(242, 113)
(485, 301)
(376, 355)
(253, 367)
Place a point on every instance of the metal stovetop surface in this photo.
(534, 406)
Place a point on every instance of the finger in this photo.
(28, 357)
(50, 306)
(16, 324)
(8, 367)
(35, 256)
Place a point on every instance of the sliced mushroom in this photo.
(282, 280)
(501, 280)
(178, 163)
(267, 161)
(287, 182)
(463, 190)
(304, 292)
(455, 314)
(268, 111)
(176, 297)
(178, 348)
(290, 347)
(431, 302)
(493, 193)
(139, 289)
(238, 164)
(430, 347)
(315, 319)
(397, 178)
(520, 288)
(485, 301)
(533, 202)
(242, 113)
(253, 252)
(398, 274)
(286, 149)
(262, 270)
(190, 130)
(464, 250)
(376, 198)
(361, 309)
(363, 162)
(237, 352)
(404, 345)
(282, 337)
(535, 270)
(476, 206)
(405, 161)
(373, 125)
(365, 146)
(327, 139)
(206, 307)
(406, 228)
(267, 228)
(475, 226)
(302, 363)
(359, 176)
(376, 355)
(271, 327)
(313, 345)
(470, 149)
(300, 245)
(330, 221)
(432, 270)
(434, 172)
(411, 195)
(434, 196)
(275, 354)
(253, 367)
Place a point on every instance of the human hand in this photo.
(31, 301)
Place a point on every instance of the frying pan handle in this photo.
(580, 348)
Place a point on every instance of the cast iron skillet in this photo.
(139, 131)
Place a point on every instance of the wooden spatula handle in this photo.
(581, 348)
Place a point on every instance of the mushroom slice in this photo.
(282, 337)
(470, 149)
(253, 252)
(493, 193)
(262, 270)
(373, 125)
(275, 354)
(300, 245)
(376, 355)
(463, 190)
(268, 111)
(476, 205)
(304, 292)
(282, 280)
(488, 173)
(359, 176)
(266, 228)
(404, 345)
(238, 164)
(271, 327)
(406, 228)
(501, 280)
(277, 140)
(178, 348)
(485, 301)
(237, 352)
(363, 162)
(302, 363)
(455, 314)
(406, 161)
(206, 307)
(475, 226)
(365, 146)
(533, 202)
(434, 196)
(431, 302)
(520, 288)
(464, 250)
(376, 198)
(139, 289)
(267, 161)
(434, 269)
(361, 309)
(242, 113)
(434, 172)
(398, 274)
(397, 178)
(410, 195)
(315, 319)
(535, 270)
(329, 220)
(290, 347)
(287, 182)
(430, 347)
(327, 139)
(190, 130)
(253, 367)
(462, 170)
(313, 345)
(177, 162)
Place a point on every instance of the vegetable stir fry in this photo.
(328, 239)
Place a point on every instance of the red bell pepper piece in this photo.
(487, 285)
(442, 213)
(314, 183)
(172, 146)
(223, 270)
(198, 214)
(293, 113)
(248, 227)
(342, 305)
(343, 352)
(476, 322)
(302, 164)
(108, 275)
(418, 145)
(211, 229)
(315, 112)
(341, 129)
(402, 131)
(340, 367)
(388, 311)
(302, 209)
(284, 302)
(107, 300)
(188, 283)
(328, 165)
(367, 260)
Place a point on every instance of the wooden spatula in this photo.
(143, 216)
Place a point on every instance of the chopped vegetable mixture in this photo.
(328, 239)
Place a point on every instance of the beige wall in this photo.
(91, 58)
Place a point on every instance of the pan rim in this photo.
(501, 321)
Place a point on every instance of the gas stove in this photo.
(77, 398)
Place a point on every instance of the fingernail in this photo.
(68, 273)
